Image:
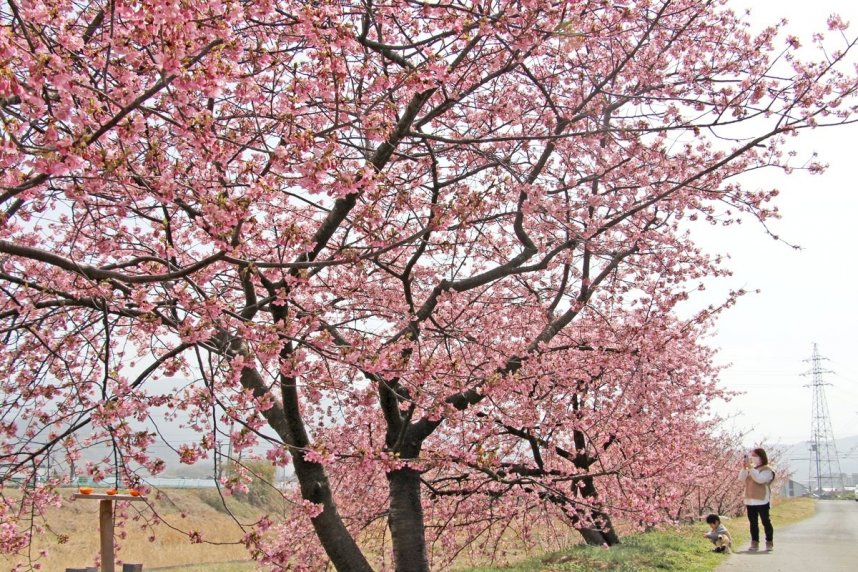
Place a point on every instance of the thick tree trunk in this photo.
(594, 525)
(602, 531)
(406, 521)
(604, 534)
(592, 536)
(337, 541)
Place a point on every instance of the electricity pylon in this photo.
(824, 462)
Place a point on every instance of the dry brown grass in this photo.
(184, 510)
(72, 540)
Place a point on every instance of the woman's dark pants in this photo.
(763, 512)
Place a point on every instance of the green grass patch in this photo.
(681, 548)
(675, 549)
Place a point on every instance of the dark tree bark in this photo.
(604, 534)
(603, 531)
(338, 542)
(406, 521)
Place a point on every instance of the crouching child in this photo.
(718, 534)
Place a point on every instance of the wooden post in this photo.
(105, 529)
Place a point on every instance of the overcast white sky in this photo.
(807, 296)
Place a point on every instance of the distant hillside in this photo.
(797, 457)
(173, 467)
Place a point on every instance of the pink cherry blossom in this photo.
(429, 256)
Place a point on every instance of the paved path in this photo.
(826, 542)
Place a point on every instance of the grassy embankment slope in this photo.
(680, 549)
(72, 539)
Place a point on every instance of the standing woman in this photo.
(758, 477)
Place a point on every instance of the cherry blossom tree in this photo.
(440, 245)
(713, 487)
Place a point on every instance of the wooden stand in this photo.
(105, 523)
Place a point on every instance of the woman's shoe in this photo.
(754, 546)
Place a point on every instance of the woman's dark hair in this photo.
(761, 453)
(713, 519)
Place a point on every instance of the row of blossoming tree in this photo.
(432, 253)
